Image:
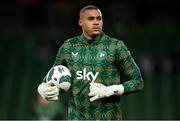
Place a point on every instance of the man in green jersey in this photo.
(96, 62)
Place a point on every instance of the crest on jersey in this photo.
(101, 55)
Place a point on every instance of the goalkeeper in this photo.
(96, 62)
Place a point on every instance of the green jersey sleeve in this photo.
(60, 57)
(133, 79)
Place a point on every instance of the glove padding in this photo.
(48, 91)
(98, 91)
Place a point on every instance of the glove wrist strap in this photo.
(117, 89)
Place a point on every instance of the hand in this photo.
(98, 91)
(64, 85)
(48, 91)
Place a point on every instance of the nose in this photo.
(96, 22)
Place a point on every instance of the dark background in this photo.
(31, 31)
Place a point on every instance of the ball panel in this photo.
(57, 72)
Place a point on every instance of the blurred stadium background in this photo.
(31, 31)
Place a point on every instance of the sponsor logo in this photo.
(74, 54)
(87, 75)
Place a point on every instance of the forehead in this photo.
(91, 12)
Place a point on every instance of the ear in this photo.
(80, 22)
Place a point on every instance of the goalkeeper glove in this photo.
(98, 91)
(48, 91)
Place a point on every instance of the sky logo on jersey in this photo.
(87, 75)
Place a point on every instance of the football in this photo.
(56, 75)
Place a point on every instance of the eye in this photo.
(90, 18)
(99, 18)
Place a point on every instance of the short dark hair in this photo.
(88, 7)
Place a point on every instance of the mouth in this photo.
(96, 28)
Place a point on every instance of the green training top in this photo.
(104, 61)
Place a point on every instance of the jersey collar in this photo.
(99, 39)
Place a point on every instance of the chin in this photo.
(96, 33)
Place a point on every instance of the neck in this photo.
(94, 36)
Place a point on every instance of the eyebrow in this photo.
(94, 17)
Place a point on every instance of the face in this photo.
(91, 23)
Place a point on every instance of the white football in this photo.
(56, 73)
